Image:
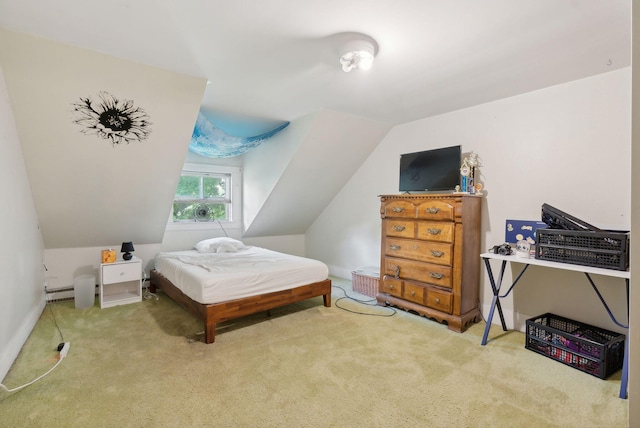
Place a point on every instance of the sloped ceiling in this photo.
(279, 58)
(87, 190)
(274, 61)
(289, 184)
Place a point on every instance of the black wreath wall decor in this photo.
(112, 119)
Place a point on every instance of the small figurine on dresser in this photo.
(470, 174)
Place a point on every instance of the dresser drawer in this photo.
(414, 293)
(392, 286)
(435, 231)
(440, 300)
(121, 272)
(399, 209)
(436, 210)
(400, 228)
(432, 252)
(418, 271)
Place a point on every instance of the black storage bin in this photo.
(590, 349)
(604, 249)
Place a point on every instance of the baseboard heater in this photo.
(66, 293)
(61, 294)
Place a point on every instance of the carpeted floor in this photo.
(145, 365)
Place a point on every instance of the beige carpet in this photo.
(144, 365)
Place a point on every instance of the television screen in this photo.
(430, 170)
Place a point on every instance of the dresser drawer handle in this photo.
(397, 272)
(413, 294)
(395, 247)
(434, 231)
(391, 287)
(436, 275)
(437, 300)
(433, 210)
(398, 209)
(435, 253)
(399, 228)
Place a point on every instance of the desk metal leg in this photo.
(496, 295)
(495, 301)
(625, 360)
(625, 370)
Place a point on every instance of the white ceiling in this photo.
(278, 59)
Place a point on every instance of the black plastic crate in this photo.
(590, 349)
(604, 249)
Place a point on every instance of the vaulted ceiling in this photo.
(265, 63)
(278, 59)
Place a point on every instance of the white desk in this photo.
(587, 270)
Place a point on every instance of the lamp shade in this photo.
(127, 249)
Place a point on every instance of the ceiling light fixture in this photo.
(358, 53)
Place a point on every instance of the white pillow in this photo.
(212, 245)
(226, 247)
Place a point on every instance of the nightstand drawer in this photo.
(121, 273)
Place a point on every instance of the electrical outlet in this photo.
(48, 278)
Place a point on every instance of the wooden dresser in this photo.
(430, 256)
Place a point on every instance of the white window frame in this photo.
(235, 196)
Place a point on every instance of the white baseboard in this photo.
(12, 349)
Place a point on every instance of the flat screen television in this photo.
(436, 170)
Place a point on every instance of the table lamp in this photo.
(127, 249)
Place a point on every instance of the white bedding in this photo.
(217, 277)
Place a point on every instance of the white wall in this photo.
(567, 145)
(88, 191)
(21, 269)
(264, 165)
(66, 263)
(634, 298)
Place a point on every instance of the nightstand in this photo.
(120, 282)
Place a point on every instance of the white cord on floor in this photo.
(147, 293)
(62, 355)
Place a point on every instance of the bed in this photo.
(222, 279)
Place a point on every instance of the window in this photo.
(206, 197)
(202, 197)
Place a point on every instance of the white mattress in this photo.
(218, 277)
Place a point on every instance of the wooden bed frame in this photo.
(212, 314)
